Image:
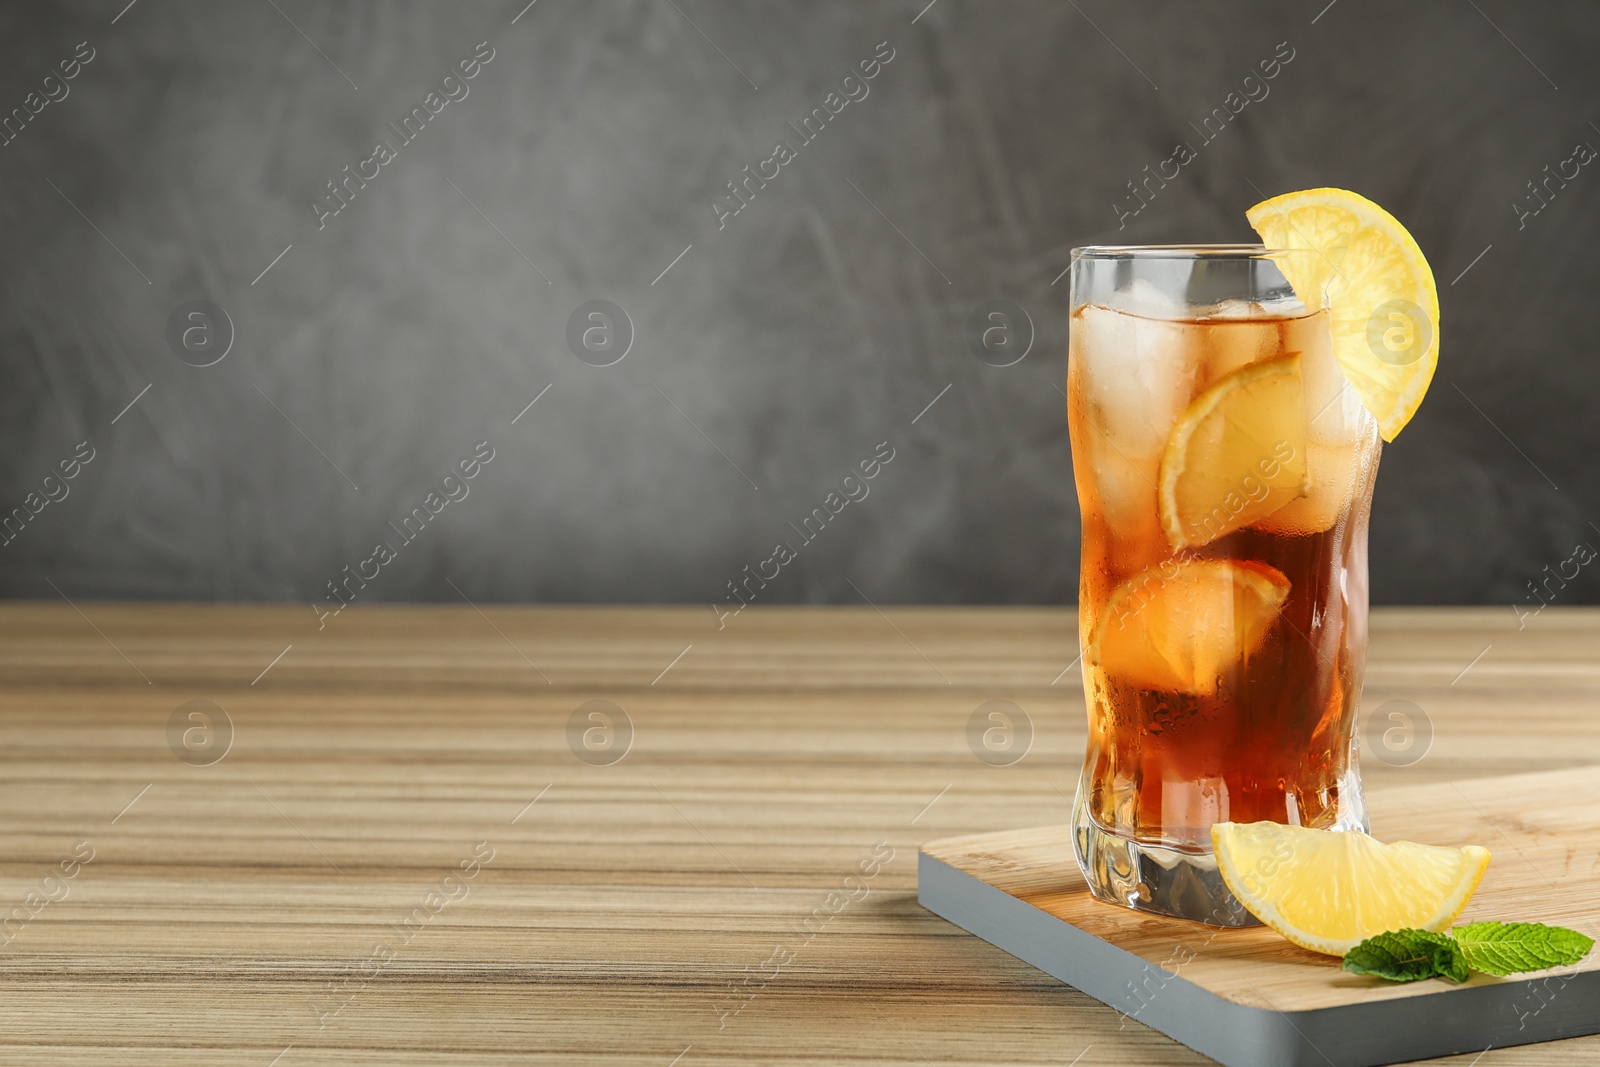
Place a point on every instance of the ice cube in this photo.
(1336, 473)
(1334, 413)
(1124, 499)
(1137, 374)
(1133, 378)
(1146, 299)
(1283, 306)
(1234, 343)
(1341, 435)
(1234, 309)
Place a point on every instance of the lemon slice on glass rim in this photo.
(1382, 300)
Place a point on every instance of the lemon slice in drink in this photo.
(1329, 891)
(1180, 626)
(1236, 455)
(1383, 304)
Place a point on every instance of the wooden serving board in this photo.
(1248, 997)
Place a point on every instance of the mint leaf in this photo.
(1508, 948)
(1494, 948)
(1408, 956)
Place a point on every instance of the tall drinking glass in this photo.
(1224, 470)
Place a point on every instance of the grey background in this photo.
(817, 324)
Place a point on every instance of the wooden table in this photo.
(401, 859)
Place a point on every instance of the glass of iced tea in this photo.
(1224, 470)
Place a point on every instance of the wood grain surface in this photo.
(364, 877)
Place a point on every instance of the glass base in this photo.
(1167, 881)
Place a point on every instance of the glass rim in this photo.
(1186, 251)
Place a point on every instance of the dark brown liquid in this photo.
(1272, 743)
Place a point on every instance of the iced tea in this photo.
(1224, 471)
